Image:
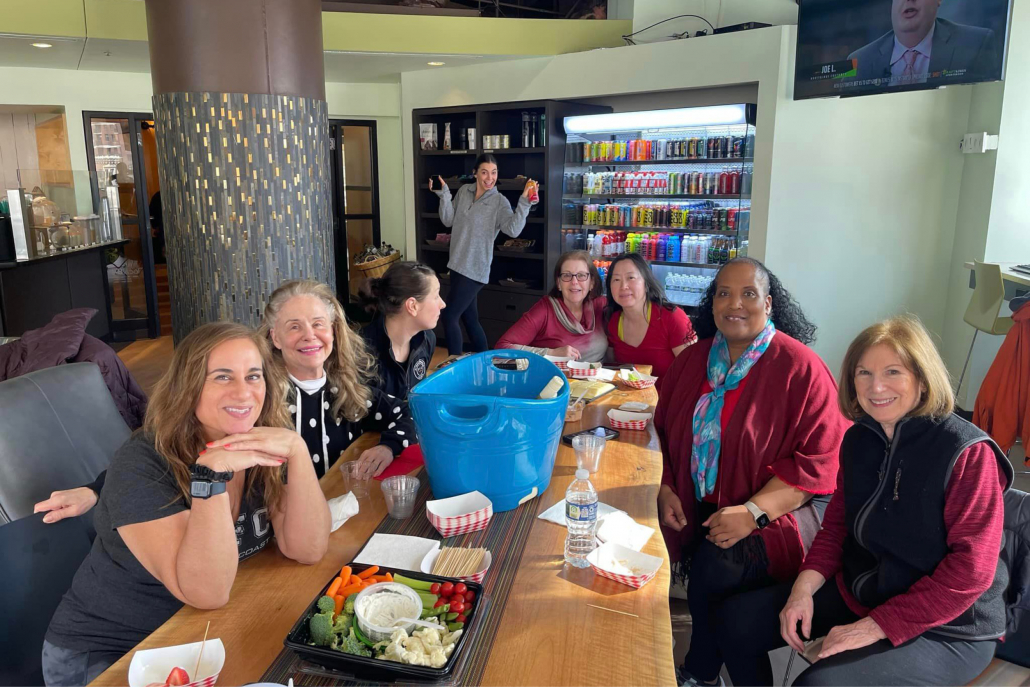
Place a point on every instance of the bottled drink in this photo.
(581, 518)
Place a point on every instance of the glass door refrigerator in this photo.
(671, 185)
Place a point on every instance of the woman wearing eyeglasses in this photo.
(568, 321)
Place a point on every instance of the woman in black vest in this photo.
(910, 540)
(407, 304)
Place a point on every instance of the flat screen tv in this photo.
(866, 47)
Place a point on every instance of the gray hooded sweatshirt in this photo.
(475, 225)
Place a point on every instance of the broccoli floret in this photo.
(321, 629)
(349, 644)
(326, 604)
(348, 605)
(342, 624)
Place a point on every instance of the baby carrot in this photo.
(345, 573)
(334, 587)
(368, 572)
(339, 603)
(389, 577)
(354, 579)
(350, 589)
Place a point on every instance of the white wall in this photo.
(993, 218)
(855, 200)
(79, 91)
(863, 208)
(718, 12)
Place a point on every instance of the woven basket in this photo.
(376, 268)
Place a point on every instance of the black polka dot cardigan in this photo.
(327, 436)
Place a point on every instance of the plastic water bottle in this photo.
(581, 519)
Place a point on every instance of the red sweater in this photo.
(785, 423)
(539, 327)
(974, 515)
(668, 329)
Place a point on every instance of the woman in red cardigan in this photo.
(903, 580)
(749, 430)
(568, 321)
(644, 328)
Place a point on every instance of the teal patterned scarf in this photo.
(704, 455)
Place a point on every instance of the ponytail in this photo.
(403, 280)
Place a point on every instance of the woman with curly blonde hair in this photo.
(330, 374)
(215, 473)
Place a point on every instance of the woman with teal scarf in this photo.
(750, 430)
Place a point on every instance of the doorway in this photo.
(117, 149)
(354, 175)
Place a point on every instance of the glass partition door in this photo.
(355, 180)
(114, 150)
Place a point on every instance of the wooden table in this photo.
(548, 634)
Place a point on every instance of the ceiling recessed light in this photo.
(42, 45)
(435, 64)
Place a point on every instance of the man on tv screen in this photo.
(922, 46)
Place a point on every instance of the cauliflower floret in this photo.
(425, 647)
(437, 658)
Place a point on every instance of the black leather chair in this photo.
(37, 564)
(59, 429)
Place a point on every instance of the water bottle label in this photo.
(586, 512)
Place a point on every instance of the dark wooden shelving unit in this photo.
(500, 306)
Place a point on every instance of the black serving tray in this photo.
(376, 668)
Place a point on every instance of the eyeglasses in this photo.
(580, 276)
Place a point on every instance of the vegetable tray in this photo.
(378, 669)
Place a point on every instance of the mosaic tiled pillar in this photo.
(243, 152)
(246, 200)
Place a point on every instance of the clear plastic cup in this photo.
(352, 482)
(400, 492)
(588, 448)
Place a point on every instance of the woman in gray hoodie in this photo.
(476, 214)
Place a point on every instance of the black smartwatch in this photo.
(206, 482)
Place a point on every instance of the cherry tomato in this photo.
(456, 598)
(447, 588)
(460, 588)
(457, 607)
(440, 602)
(460, 619)
(470, 596)
(435, 588)
(468, 606)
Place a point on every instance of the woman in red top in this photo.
(749, 431)
(568, 321)
(644, 328)
(909, 543)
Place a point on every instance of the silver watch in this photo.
(760, 516)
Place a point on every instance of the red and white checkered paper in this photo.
(635, 581)
(450, 526)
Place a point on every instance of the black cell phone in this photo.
(434, 184)
(609, 434)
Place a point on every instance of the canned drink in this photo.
(505, 141)
(724, 147)
(692, 148)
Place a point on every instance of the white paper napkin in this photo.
(396, 551)
(342, 508)
(606, 375)
(619, 528)
(556, 513)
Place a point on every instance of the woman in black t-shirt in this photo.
(215, 472)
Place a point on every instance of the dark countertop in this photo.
(62, 254)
